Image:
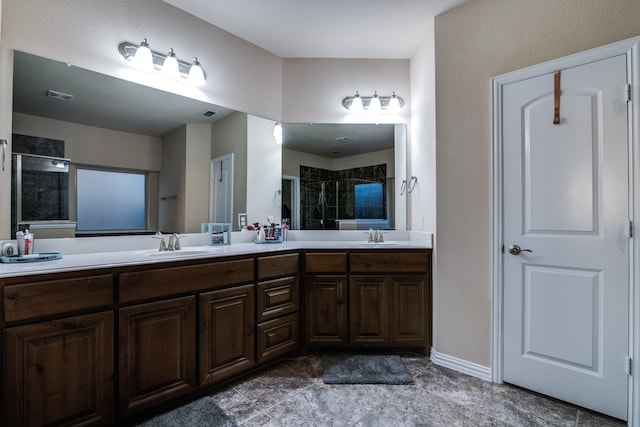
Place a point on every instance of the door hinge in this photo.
(630, 229)
(628, 92)
(629, 367)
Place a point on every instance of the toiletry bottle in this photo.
(28, 242)
(261, 235)
(20, 242)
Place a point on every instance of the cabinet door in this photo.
(157, 352)
(368, 310)
(326, 310)
(60, 372)
(227, 333)
(410, 305)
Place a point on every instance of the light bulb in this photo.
(356, 104)
(277, 133)
(143, 59)
(196, 75)
(170, 67)
(394, 104)
(374, 104)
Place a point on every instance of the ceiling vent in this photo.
(208, 113)
(60, 96)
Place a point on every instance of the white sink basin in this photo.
(177, 254)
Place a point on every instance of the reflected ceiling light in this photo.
(145, 59)
(374, 104)
(394, 104)
(356, 104)
(277, 132)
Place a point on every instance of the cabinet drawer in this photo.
(277, 337)
(277, 265)
(30, 300)
(325, 262)
(390, 262)
(277, 297)
(170, 281)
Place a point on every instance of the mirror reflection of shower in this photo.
(351, 199)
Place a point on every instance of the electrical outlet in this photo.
(242, 220)
(421, 219)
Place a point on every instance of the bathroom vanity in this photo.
(111, 341)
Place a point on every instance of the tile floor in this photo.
(292, 393)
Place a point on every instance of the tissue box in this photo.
(218, 233)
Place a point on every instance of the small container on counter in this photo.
(25, 242)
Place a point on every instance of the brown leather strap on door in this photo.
(556, 98)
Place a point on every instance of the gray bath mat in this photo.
(199, 413)
(364, 369)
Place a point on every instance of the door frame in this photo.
(211, 187)
(631, 48)
(295, 200)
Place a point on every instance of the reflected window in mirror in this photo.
(111, 200)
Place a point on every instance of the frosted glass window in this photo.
(109, 200)
(369, 201)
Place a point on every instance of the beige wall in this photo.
(197, 155)
(89, 145)
(172, 182)
(228, 136)
(473, 43)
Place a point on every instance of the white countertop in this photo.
(108, 252)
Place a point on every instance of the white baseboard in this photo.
(469, 368)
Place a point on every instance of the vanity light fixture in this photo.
(144, 58)
(356, 105)
(170, 66)
(374, 104)
(277, 132)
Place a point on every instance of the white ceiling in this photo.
(324, 28)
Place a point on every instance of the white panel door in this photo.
(221, 198)
(566, 206)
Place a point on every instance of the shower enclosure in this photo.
(348, 203)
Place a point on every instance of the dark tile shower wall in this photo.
(318, 209)
(45, 196)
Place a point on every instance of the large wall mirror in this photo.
(97, 122)
(344, 176)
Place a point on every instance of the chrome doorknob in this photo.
(516, 250)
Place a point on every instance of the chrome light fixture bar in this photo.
(391, 103)
(146, 59)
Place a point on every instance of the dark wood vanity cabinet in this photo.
(58, 365)
(227, 333)
(326, 293)
(390, 298)
(158, 346)
(278, 305)
(383, 299)
(157, 353)
(60, 372)
(104, 346)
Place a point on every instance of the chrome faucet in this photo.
(375, 236)
(174, 242)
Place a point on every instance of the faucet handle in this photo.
(163, 243)
(176, 242)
